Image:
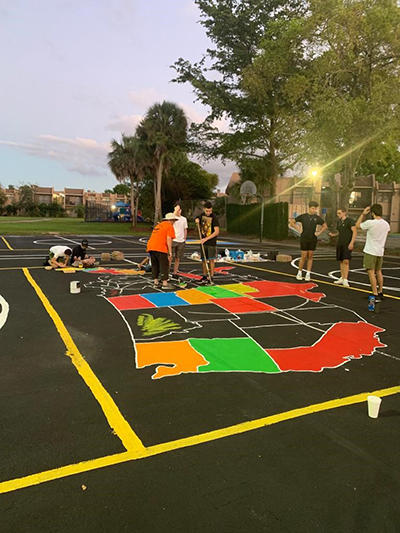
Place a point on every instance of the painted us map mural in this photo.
(243, 325)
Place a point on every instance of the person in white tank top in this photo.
(377, 231)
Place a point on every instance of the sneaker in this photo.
(299, 275)
(48, 267)
(380, 295)
(346, 283)
(204, 279)
(308, 277)
(339, 281)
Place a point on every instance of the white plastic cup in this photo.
(75, 287)
(374, 404)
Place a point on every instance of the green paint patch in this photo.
(154, 326)
(233, 355)
(216, 291)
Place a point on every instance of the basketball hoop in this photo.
(247, 190)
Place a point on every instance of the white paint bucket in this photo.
(75, 287)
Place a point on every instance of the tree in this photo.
(162, 132)
(354, 85)
(257, 48)
(3, 199)
(187, 180)
(26, 203)
(120, 188)
(126, 162)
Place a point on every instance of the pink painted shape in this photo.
(269, 289)
(243, 305)
(342, 342)
(126, 303)
(190, 276)
(222, 270)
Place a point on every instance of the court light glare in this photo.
(113, 207)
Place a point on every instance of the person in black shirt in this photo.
(79, 256)
(308, 240)
(209, 229)
(347, 231)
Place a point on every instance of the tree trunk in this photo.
(157, 191)
(274, 168)
(133, 209)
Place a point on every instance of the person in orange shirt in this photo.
(160, 248)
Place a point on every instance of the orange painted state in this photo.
(193, 296)
(180, 357)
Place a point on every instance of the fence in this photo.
(246, 220)
(97, 212)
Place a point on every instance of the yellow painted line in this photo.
(315, 280)
(7, 243)
(102, 462)
(114, 417)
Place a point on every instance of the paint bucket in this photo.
(374, 403)
(75, 287)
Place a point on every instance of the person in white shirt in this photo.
(58, 257)
(178, 244)
(377, 231)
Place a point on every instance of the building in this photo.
(70, 199)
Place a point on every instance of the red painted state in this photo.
(276, 288)
(343, 341)
(223, 270)
(243, 305)
(126, 303)
(190, 276)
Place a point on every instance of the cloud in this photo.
(124, 124)
(146, 97)
(83, 156)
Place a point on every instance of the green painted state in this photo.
(218, 292)
(233, 355)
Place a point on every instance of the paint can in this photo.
(75, 287)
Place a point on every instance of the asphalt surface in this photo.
(335, 470)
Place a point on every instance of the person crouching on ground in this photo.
(79, 256)
(377, 231)
(160, 248)
(178, 244)
(209, 231)
(58, 257)
(308, 240)
(347, 231)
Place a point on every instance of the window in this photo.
(360, 199)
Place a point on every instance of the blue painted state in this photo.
(164, 299)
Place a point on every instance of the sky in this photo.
(77, 73)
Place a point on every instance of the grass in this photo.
(67, 226)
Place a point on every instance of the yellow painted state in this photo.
(193, 296)
(114, 417)
(102, 462)
(239, 288)
(7, 243)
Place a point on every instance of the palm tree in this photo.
(162, 131)
(125, 162)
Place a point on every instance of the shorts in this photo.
(342, 253)
(372, 262)
(61, 259)
(308, 244)
(210, 252)
(177, 249)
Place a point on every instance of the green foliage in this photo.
(3, 199)
(299, 82)
(161, 133)
(26, 204)
(246, 220)
(80, 211)
(153, 326)
(122, 188)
